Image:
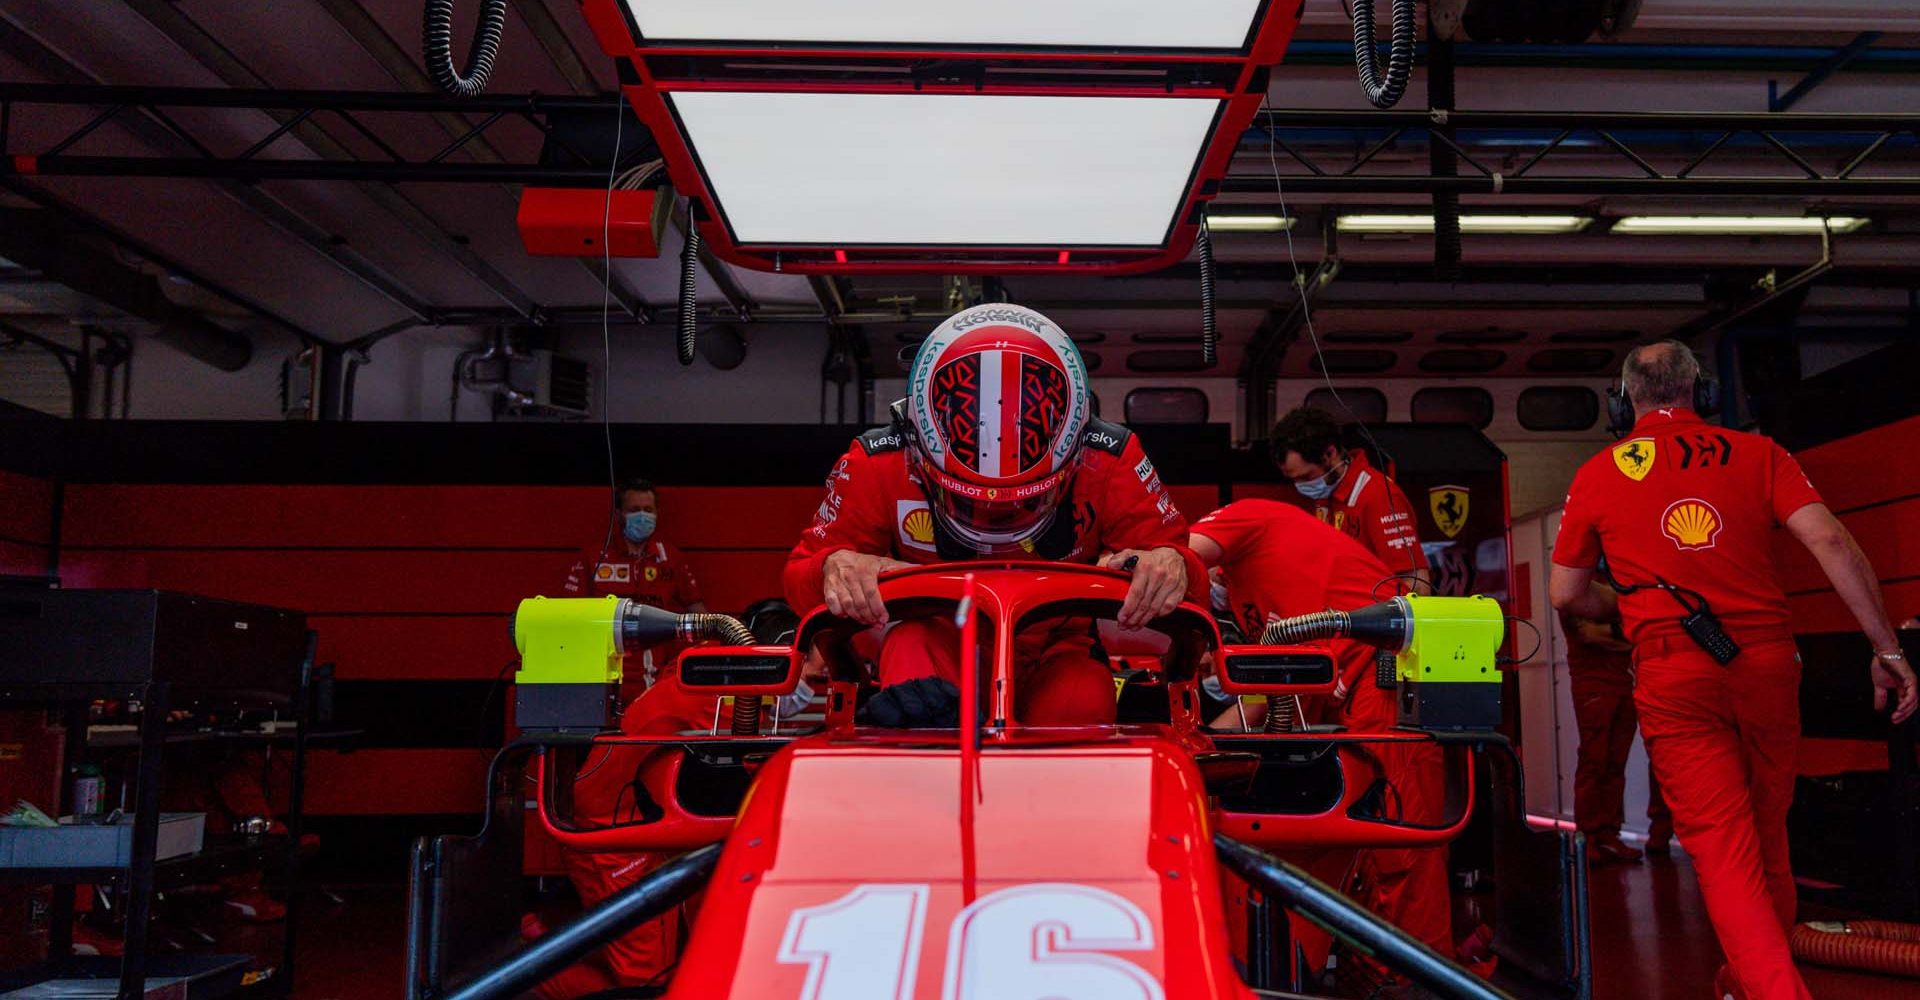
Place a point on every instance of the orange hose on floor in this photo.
(1881, 946)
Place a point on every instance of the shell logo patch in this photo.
(613, 572)
(913, 523)
(1691, 523)
(1635, 457)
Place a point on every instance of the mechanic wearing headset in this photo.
(1347, 491)
(994, 455)
(1280, 561)
(1683, 512)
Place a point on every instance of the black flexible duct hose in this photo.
(1209, 325)
(437, 46)
(643, 625)
(1384, 90)
(1387, 625)
(689, 293)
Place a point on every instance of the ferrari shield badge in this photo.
(1449, 507)
(1635, 457)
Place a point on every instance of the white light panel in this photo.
(1734, 225)
(1514, 225)
(946, 169)
(1227, 223)
(1134, 24)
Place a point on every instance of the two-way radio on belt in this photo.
(1700, 623)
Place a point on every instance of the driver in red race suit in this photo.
(994, 455)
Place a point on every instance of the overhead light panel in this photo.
(1249, 223)
(946, 169)
(1735, 225)
(1132, 24)
(1513, 225)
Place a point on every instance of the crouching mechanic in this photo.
(1280, 561)
(621, 784)
(994, 455)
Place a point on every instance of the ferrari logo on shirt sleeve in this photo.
(1635, 457)
(1449, 507)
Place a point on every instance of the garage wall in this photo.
(26, 524)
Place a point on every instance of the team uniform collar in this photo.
(1358, 469)
(1662, 417)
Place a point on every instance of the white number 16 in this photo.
(1047, 940)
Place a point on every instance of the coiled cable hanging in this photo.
(689, 289)
(437, 46)
(1385, 87)
(1209, 324)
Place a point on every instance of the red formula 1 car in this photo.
(997, 860)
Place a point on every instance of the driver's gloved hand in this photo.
(921, 703)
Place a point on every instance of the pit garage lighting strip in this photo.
(1218, 25)
(1734, 225)
(1227, 223)
(1519, 225)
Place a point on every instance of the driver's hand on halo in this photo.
(1159, 583)
(852, 583)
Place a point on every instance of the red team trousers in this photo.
(1722, 741)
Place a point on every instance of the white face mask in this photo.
(790, 705)
(1217, 596)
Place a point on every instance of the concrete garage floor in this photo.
(1650, 934)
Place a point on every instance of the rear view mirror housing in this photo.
(741, 670)
(1276, 670)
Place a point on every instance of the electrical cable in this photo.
(1306, 315)
(1538, 639)
(606, 328)
(437, 46)
(1384, 88)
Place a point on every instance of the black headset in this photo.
(1706, 402)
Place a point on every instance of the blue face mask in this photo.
(1318, 489)
(638, 526)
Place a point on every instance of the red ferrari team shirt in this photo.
(1280, 561)
(1370, 508)
(1693, 504)
(874, 506)
(654, 572)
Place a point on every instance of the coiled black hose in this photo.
(1306, 628)
(1209, 325)
(689, 293)
(726, 628)
(437, 46)
(1384, 89)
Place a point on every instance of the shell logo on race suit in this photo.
(1691, 523)
(1635, 457)
(915, 523)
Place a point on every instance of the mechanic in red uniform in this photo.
(1280, 561)
(994, 454)
(640, 565)
(1347, 491)
(614, 786)
(1683, 513)
(1600, 668)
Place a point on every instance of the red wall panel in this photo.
(1889, 534)
(396, 782)
(381, 647)
(382, 581)
(1867, 468)
(1823, 611)
(26, 508)
(22, 560)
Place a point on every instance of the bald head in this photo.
(1660, 374)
